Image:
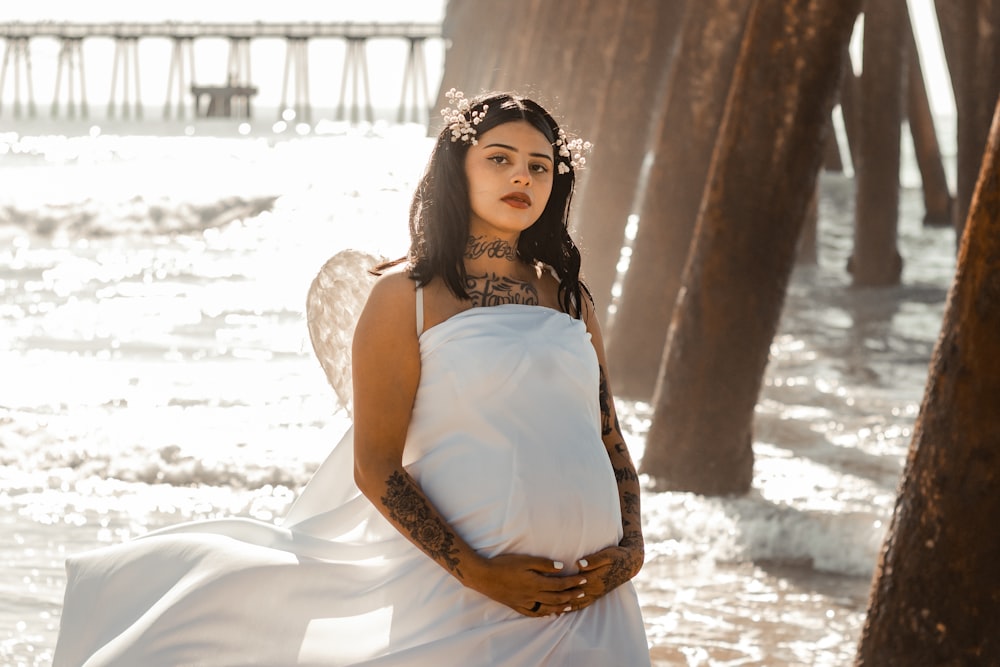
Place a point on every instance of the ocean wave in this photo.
(754, 529)
(94, 218)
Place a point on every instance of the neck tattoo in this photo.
(481, 246)
(491, 289)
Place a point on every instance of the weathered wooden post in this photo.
(849, 108)
(985, 81)
(875, 259)
(462, 57)
(809, 238)
(832, 160)
(588, 66)
(936, 591)
(957, 26)
(699, 83)
(456, 23)
(970, 34)
(762, 177)
(532, 24)
(937, 198)
(650, 33)
(515, 30)
(546, 66)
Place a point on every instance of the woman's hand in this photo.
(606, 570)
(529, 585)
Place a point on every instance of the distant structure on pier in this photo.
(222, 101)
(229, 99)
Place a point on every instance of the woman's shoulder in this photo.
(549, 280)
(393, 289)
(388, 321)
(547, 283)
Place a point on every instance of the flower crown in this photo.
(462, 121)
(572, 150)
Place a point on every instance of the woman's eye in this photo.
(498, 159)
(539, 168)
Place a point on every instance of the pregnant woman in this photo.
(482, 511)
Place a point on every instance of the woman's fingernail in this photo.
(583, 581)
(568, 608)
(583, 562)
(580, 595)
(557, 564)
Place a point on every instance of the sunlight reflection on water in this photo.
(157, 369)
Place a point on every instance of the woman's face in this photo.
(510, 173)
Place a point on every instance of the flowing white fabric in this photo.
(504, 439)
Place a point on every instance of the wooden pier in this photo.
(232, 98)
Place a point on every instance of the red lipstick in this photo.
(517, 199)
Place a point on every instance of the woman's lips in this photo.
(517, 200)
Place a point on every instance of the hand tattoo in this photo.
(618, 573)
(408, 507)
(624, 568)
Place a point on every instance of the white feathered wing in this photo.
(334, 302)
(336, 296)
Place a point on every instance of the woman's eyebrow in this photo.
(511, 148)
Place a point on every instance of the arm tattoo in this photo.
(494, 290)
(631, 502)
(609, 425)
(605, 395)
(625, 474)
(624, 568)
(478, 246)
(410, 510)
(628, 564)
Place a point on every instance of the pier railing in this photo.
(232, 98)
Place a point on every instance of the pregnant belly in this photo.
(555, 499)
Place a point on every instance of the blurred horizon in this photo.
(386, 58)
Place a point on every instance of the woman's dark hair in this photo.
(440, 210)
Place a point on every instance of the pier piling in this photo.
(125, 98)
(182, 51)
(126, 57)
(355, 69)
(297, 71)
(70, 59)
(875, 260)
(937, 198)
(18, 56)
(415, 83)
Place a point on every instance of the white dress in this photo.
(504, 439)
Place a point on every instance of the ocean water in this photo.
(155, 368)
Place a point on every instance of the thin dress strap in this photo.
(420, 310)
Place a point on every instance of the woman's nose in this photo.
(521, 175)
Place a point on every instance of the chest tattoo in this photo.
(494, 290)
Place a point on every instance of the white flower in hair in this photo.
(459, 117)
(461, 120)
(572, 150)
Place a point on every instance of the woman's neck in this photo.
(495, 275)
(491, 254)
